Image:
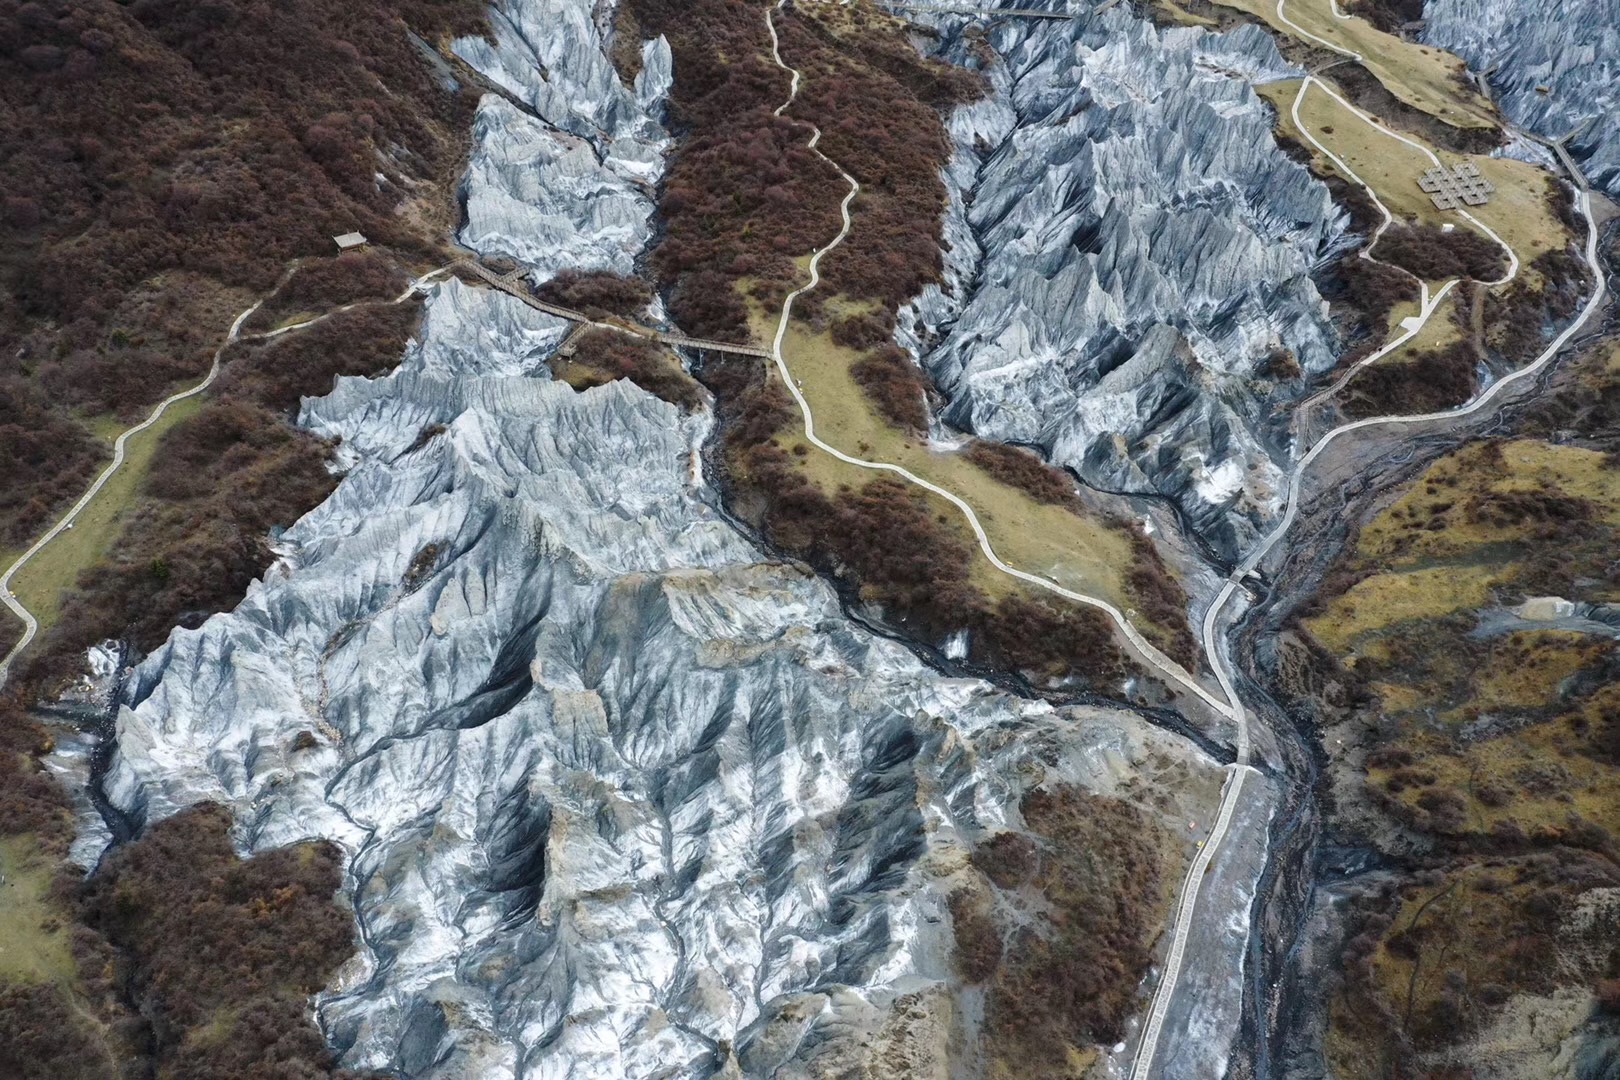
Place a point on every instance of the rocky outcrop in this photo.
(619, 795)
(568, 183)
(1128, 247)
(620, 798)
(1554, 69)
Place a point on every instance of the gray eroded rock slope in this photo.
(1128, 247)
(621, 796)
(568, 184)
(616, 790)
(1556, 69)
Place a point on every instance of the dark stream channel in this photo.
(1293, 951)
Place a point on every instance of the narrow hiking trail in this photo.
(1427, 304)
(1216, 618)
(1232, 707)
(1146, 649)
(120, 446)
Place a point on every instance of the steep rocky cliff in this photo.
(619, 795)
(564, 180)
(1128, 248)
(1554, 68)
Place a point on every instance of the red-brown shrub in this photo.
(744, 195)
(279, 372)
(608, 355)
(174, 157)
(864, 331)
(1427, 382)
(1372, 289)
(45, 457)
(1434, 255)
(220, 480)
(322, 284)
(895, 386)
(1023, 469)
(1069, 973)
(597, 293)
(224, 947)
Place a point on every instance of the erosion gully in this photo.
(1282, 1007)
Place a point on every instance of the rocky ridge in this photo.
(620, 795)
(1128, 247)
(587, 144)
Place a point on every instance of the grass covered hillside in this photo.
(1470, 620)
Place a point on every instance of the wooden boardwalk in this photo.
(513, 284)
(951, 9)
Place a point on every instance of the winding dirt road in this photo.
(1231, 708)
(1146, 649)
(1213, 637)
(1427, 304)
(120, 446)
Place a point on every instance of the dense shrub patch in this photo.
(223, 138)
(1517, 317)
(743, 195)
(603, 356)
(1023, 469)
(893, 382)
(1515, 320)
(1069, 971)
(220, 481)
(188, 962)
(45, 457)
(1159, 597)
(886, 540)
(1425, 382)
(1372, 289)
(41, 1037)
(877, 103)
(1161, 600)
(1431, 254)
(222, 953)
(162, 159)
(277, 373)
(319, 285)
(597, 293)
(1388, 15)
(31, 801)
(896, 386)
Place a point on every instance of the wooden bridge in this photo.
(513, 284)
